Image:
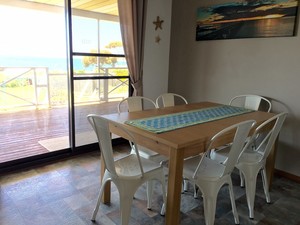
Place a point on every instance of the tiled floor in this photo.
(64, 193)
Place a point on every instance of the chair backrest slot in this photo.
(254, 102)
(135, 103)
(169, 99)
(269, 138)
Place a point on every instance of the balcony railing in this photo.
(36, 86)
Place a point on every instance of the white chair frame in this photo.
(210, 175)
(135, 103)
(127, 173)
(252, 161)
(253, 158)
(252, 101)
(168, 99)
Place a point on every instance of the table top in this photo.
(188, 136)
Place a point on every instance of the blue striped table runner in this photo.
(160, 124)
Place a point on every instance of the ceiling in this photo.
(99, 6)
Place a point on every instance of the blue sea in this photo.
(54, 64)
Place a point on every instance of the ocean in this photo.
(54, 64)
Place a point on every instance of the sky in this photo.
(30, 32)
(33, 33)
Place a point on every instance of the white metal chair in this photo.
(254, 102)
(168, 99)
(127, 173)
(137, 103)
(253, 159)
(210, 176)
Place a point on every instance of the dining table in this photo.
(177, 141)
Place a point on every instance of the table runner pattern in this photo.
(160, 124)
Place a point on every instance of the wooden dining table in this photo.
(181, 143)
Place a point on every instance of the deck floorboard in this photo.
(21, 130)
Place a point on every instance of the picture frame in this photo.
(247, 19)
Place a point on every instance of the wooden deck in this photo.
(21, 130)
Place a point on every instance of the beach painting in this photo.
(247, 19)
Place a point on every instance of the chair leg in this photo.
(209, 203)
(185, 185)
(104, 181)
(234, 210)
(126, 197)
(97, 205)
(242, 179)
(164, 193)
(150, 184)
(250, 181)
(265, 185)
(209, 195)
(125, 209)
(195, 191)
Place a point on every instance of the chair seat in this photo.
(250, 157)
(209, 169)
(149, 154)
(146, 152)
(129, 166)
(220, 154)
(135, 104)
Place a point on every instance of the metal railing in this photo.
(35, 86)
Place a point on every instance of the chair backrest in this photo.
(135, 103)
(168, 99)
(266, 144)
(241, 133)
(101, 128)
(251, 102)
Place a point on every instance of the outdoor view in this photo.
(34, 81)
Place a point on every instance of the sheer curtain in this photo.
(132, 15)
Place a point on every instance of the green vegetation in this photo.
(91, 60)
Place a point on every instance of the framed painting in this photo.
(247, 19)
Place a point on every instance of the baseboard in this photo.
(287, 175)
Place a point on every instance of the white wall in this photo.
(156, 55)
(218, 70)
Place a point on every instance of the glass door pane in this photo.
(33, 79)
(100, 82)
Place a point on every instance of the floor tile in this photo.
(65, 193)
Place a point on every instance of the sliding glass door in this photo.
(99, 74)
(33, 80)
(59, 61)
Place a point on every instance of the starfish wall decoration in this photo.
(157, 39)
(158, 23)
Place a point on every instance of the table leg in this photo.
(106, 193)
(174, 187)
